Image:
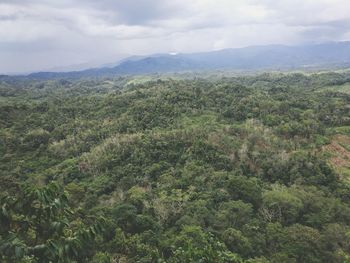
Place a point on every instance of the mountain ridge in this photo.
(268, 57)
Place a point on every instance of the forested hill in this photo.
(167, 169)
(271, 57)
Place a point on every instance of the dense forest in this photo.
(182, 168)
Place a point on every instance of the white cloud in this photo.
(40, 34)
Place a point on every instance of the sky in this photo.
(56, 35)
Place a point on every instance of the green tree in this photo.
(195, 245)
(38, 223)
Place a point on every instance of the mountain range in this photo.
(270, 57)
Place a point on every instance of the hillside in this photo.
(177, 169)
(272, 57)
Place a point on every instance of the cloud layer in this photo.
(43, 34)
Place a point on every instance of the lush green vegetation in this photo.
(220, 169)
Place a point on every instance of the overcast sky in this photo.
(53, 34)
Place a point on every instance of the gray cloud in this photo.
(138, 12)
(42, 34)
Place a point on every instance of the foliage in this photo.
(38, 224)
(190, 168)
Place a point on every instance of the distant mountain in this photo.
(273, 57)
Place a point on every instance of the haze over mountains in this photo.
(271, 57)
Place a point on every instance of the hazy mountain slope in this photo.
(327, 55)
